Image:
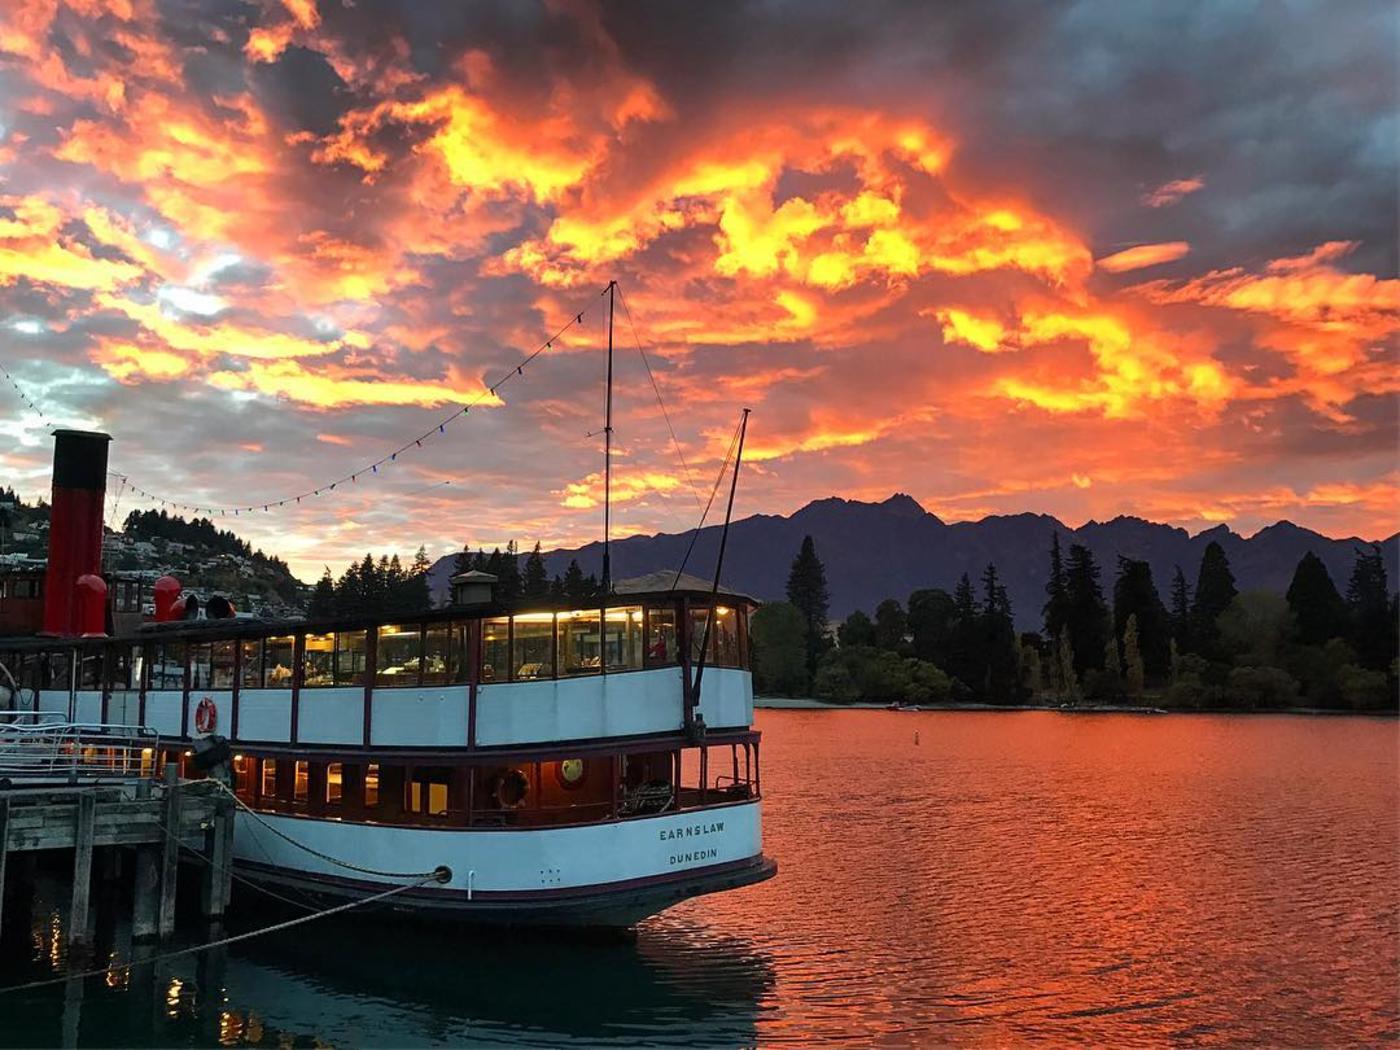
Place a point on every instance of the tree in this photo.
(891, 625)
(463, 562)
(807, 590)
(1369, 606)
(1181, 610)
(778, 635)
(1215, 590)
(1135, 597)
(508, 583)
(1001, 680)
(322, 605)
(1253, 631)
(856, 629)
(535, 582)
(1056, 590)
(930, 619)
(417, 587)
(1087, 615)
(574, 586)
(1133, 666)
(1066, 674)
(1317, 608)
(965, 660)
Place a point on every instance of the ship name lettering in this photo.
(691, 830)
(699, 856)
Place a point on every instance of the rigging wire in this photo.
(695, 535)
(300, 920)
(515, 370)
(689, 478)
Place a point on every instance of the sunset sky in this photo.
(1085, 259)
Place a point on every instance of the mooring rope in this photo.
(317, 853)
(441, 875)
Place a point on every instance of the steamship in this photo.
(562, 765)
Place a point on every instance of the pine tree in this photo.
(1369, 607)
(1002, 673)
(1134, 668)
(574, 586)
(1112, 666)
(418, 588)
(1215, 590)
(1057, 596)
(463, 562)
(1317, 608)
(1087, 614)
(1135, 597)
(965, 656)
(556, 589)
(322, 605)
(891, 625)
(1181, 610)
(807, 590)
(535, 583)
(509, 585)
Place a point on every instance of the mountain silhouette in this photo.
(874, 551)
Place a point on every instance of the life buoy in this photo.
(206, 716)
(511, 789)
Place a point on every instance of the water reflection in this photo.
(1001, 878)
(373, 980)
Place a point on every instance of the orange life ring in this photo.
(206, 716)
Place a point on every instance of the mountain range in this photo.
(874, 551)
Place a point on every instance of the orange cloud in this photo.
(1143, 255)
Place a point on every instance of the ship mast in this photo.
(607, 455)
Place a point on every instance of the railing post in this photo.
(4, 852)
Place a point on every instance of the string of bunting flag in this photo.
(369, 469)
(28, 401)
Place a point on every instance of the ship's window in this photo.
(278, 660)
(427, 791)
(318, 661)
(200, 659)
(495, 650)
(724, 636)
(580, 648)
(350, 658)
(221, 668)
(661, 637)
(168, 670)
(251, 676)
(438, 662)
(267, 791)
(399, 657)
(623, 638)
(302, 784)
(56, 671)
(90, 673)
(334, 783)
(534, 646)
(372, 785)
(243, 777)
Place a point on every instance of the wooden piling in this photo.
(170, 856)
(218, 872)
(80, 913)
(144, 913)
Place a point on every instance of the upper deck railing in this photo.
(38, 746)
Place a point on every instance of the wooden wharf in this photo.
(148, 819)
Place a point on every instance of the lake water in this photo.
(947, 878)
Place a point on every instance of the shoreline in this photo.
(794, 703)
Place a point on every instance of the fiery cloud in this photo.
(319, 226)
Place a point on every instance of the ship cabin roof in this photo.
(253, 626)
